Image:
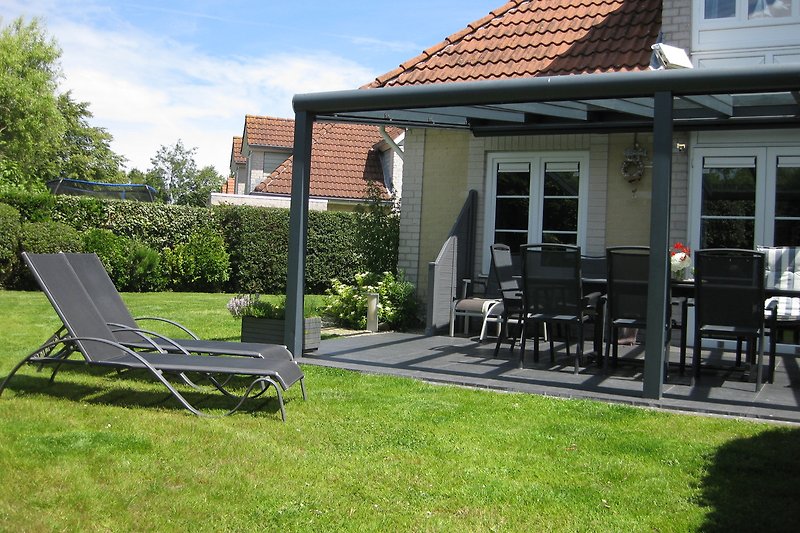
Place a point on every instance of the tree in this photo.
(174, 174)
(43, 134)
(85, 152)
(199, 190)
(31, 124)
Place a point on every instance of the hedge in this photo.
(255, 239)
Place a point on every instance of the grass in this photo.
(98, 452)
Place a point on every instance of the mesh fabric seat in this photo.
(729, 302)
(112, 308)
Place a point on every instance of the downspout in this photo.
(393, 145)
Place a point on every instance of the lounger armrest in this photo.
(171, 322)
(147, 336)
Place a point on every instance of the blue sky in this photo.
(156, 71)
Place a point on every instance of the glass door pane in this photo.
(728, 206)
(787, 202)
(560, 202)
(512, 204)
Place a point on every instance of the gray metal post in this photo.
(298, 230)
(658, 288)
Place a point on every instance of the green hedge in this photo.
(9, 242)
(254, 239)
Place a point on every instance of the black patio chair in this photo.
(729, 303)
(504, 272)
(85, 332)
(127, 331)
(552, 293)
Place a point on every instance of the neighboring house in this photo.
(345, 159)
(585, 188)
(238, 167)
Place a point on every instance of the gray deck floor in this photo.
(466, 362)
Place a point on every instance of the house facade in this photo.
(729, 188)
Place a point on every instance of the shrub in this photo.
(145, 269)
(397, 305)
(49, 237)
(201, 264)
(44, 238)
(32, 207)
(113, 250)
(80, 212)
(9, 242)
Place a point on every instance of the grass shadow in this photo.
(116, 394)
(752, 484)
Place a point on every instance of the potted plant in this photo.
(263, 321)
(680, 259)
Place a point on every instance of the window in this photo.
(728, 209)
(755, 9)
(747, 197)
(536, 198)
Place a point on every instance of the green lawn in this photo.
(99, 452)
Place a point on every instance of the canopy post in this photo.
(298, 232)
(658, 288)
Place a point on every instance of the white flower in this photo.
(679, 261)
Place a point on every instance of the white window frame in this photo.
(766, 175)
(537, 161)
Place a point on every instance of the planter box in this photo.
(270, 331)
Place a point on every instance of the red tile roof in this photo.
(236, 152)
(343, 159)
(539, 38)
(269, 131)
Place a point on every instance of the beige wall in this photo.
(444, 188)
(628, 205)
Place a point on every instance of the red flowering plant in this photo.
(680, 258)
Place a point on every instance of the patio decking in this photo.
(466, 362)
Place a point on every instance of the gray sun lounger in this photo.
(85, 332)
(127, 331)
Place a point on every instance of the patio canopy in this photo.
(659, 101)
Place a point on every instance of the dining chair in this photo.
(552, 293)
(504, 271)
(729, 303)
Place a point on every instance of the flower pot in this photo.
(270, 331)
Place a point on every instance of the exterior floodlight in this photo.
(671, 56)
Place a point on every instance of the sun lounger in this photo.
(85, 332)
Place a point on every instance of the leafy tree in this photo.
(44, 134)
(31, 124)
(174, 174)
(85, 152)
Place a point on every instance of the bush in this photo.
(113, 250)
(36, 207)
(49, 237)
(145, 270)
(201, 264)
(397, 305)
(9, 242)
(44, 238)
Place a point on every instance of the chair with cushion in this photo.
(552, 293)
(782, 271)
(729, 302)
(480, 299)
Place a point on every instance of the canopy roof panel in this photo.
(702, 98)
